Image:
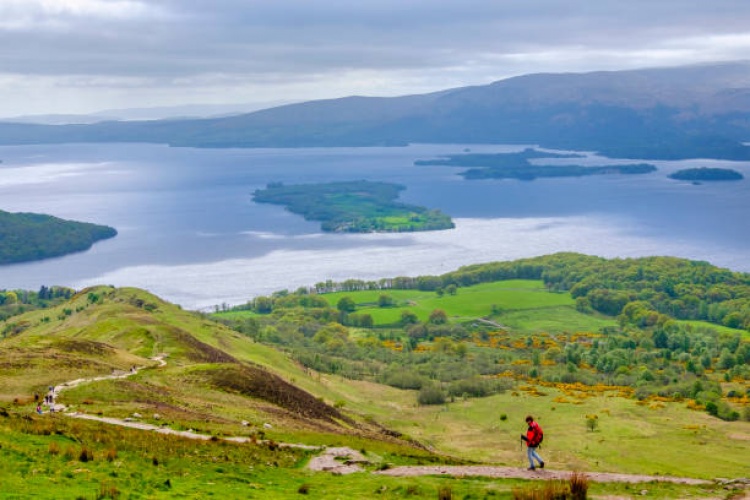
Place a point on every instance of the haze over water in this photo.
(190, 233)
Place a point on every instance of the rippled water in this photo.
(189, 231)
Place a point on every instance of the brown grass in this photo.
(445, 493)
(579, 485)
(258, 383)
(576, 488)
(86, 454)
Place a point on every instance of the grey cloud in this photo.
(163, 41)
(292, 35)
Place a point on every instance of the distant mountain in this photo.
(190, 111)
(59, 119)
(690, 111)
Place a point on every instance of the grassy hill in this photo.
(102, 330)
(221, 382)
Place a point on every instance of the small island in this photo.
(28, 237)
(518, 166)
(706, 174)
(354, 207)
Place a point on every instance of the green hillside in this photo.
(300, 374)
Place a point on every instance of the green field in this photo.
(522, 305)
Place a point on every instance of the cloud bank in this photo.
(86, 55)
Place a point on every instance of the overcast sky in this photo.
(79, 56)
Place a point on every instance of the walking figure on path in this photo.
(533, 438)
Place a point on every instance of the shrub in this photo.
(474, 387)
(431, 394)
(403, 378)
(592, 422)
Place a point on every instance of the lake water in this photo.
(190, 233)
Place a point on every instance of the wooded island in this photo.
(706, 174)
(354, 207)
(518, 166)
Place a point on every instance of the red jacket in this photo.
(533, 435)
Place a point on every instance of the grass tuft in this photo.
(304, 489)
(107, 490)
(445, 493)
(579, 485)
(86, 455)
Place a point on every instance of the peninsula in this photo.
(27, 237)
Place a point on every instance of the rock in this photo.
(245, 423)
(267, 426)
(136, 415)
(157, 416)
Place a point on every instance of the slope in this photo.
(215, 378)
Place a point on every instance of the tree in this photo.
(438, 317)
(385, 300)
(11, 297)
(451, 289)
(408, 318)
(366, 321)
(592, 422)
(263, 305)
(346, 305)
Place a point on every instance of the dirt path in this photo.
(520, 473)
(344, 460)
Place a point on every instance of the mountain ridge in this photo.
(660, 113)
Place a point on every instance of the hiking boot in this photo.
(531, 468)
(541, 465)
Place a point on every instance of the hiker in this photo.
(533, 439)
(39, 409)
